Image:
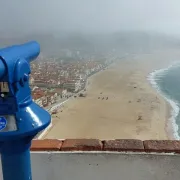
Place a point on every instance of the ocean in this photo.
(167, 83)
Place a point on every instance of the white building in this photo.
(73, 86)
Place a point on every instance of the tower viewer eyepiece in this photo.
(28, 51)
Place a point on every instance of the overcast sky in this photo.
(90, 15)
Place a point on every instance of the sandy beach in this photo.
(133, 108)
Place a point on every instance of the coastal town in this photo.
(54, 80)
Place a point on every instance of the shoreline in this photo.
(59, 105)
(76, 120)
(171, 127)
(120, 102)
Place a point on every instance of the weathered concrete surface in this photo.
(104, 166)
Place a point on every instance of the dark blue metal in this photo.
(17, 105)
(2, 69)
(16, 164)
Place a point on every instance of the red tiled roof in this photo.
(38, 93)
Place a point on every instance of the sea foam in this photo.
(153, 77)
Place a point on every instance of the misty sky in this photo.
(90, 15)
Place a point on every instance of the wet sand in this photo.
(133, 109)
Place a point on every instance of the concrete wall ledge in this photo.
(118, 145)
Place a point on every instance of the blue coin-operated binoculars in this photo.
(20, 118)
